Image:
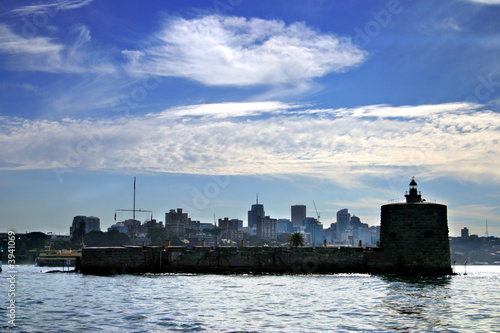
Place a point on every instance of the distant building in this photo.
(343, 219)
(315, 228)
(284, 226)
(151, 224)
(298, 215)
(83, 225)
(198, 240)
(179, 223)
(267, 228)
(231, 229)
(254, 213)
(465, 233)
(119, 226)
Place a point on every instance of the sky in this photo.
(209, 103)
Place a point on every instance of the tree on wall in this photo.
(297, 239)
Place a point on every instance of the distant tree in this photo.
(95, 238)
(284, 238)
(214, 231)
(297, 239)
(35, 240)
(116, 238)
(158, 237)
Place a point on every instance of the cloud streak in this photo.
(219, 50)
(456, 140)
(46, 55)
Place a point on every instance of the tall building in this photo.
(254, 213)
(298, 215)
(93, 223)
(465, 233)
(267, 228)
(343, 219)
(315, 228)
(284, 226)
(83, 225)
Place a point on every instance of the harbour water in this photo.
(214, 303)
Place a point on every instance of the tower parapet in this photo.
(414, 236)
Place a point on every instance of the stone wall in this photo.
(228, 260)
(414, 236)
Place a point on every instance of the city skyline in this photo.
(208, 103)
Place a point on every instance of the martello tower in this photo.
(414, 236)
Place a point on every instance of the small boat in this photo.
(58, 258)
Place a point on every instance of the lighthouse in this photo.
(414, 235)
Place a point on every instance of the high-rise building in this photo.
(83, 225)
(298, 215)
(465, 233)
(267, 228)
(343, 219)
(254, 213)
(284, 226)
(315, 228)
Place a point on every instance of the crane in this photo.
(316, 209)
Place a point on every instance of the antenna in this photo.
(134, 199)
(487, 235)
(257, 198)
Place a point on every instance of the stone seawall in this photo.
(234, 260)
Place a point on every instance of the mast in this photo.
(134, 199)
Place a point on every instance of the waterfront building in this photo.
(298, 215)
(267, 228)
(343, 219)
(254, 213)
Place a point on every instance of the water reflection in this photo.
(415, 303)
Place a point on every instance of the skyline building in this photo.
(267, 228)
(315, 228)
(83, 225)
(343, 219)
(254, 213)
(298, 215)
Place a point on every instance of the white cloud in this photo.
(486, 2)
(12, 43)
(269, 138)
(50, 7)
(44, 54)
(218, 50)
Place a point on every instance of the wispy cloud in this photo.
(12, 43)
(219, 50)
(45, 54)
(51, 7)
(486, 2)
(340, 145)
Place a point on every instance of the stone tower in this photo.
(414, 236)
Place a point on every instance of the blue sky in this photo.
(210, 102)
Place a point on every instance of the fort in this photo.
(413, 241)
